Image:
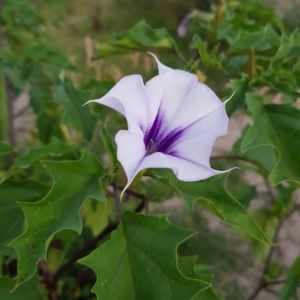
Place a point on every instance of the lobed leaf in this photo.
(73, 182)
(212, 194)
(140, 261)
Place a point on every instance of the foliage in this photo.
(59, 181)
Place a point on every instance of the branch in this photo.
(262, 282)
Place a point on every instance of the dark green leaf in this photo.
(28, 291)
(11, 215)
(277, 126)
(140, 259)
(73, 182)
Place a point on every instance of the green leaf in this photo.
(289, 289)
(110, 146)
(277, 126)
(212, 194)
(187, 265)
(73, 182)
(240, 87)
(139, 38)
(140, 261)
(5, 148)
(289, 49)
(55, 149)
(76, 115)
(157, 190)
(12, 193)
(261, 41)
(28, 291)
(268, 222)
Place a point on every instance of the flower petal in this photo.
(200, 102)
(130, 152)
(130, 98)
(161, 68)
(196, 149)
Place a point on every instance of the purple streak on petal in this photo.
(154, 130)
(168, 141)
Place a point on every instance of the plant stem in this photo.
(117, 201)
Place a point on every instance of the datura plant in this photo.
(184, 186)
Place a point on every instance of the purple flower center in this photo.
(158, 140)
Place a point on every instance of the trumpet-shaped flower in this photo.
(173, 122)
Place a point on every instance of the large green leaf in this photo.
(73, 182)
(28, 291)
(277, 126)
(140, 261)
(11, 215)
(55, 148)
(212, 194)
(293, 281)
(139, 38)
(76, 115)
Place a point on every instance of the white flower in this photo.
(173, 122)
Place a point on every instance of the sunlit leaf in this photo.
(277, 126)
(139, 38)
(140, 261)
(73, 182)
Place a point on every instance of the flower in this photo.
(173, 122)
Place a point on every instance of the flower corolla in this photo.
(173, 122)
